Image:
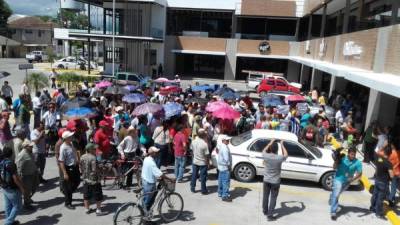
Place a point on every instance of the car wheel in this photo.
(327, 180)
(244, 172)
(29, 61)
(61, 66)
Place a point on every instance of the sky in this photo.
(34, 7)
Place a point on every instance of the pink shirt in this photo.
(179, 141)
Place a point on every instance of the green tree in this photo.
(73, 20)
(38, 81)
(5, 12)
(51, 56)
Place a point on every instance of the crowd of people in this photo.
(113, 130)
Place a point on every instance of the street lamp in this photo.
(113, 39)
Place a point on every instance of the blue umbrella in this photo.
(230, 95)
(202, 88)
(134, 98)
(172, 109)
(223, 90)
(272, 101)
(79, 112)
(130, 88)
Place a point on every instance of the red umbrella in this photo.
(214, 106)
(295, 98)
(169, 90)
(226, 113)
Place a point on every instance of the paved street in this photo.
(298, 202)
(303, 202)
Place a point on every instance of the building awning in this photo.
(245, 55)
(117, 37)
(8, 41)
(36, 45)
(383, 82)
(198, 52)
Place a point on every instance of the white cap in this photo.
(118, 108)
(94, 100)
(225, 137)
(153, 149)
(67, 134)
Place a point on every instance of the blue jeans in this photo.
(162, 157)
(12, 204)
(179, 167)
(393, 188)
(337, 189)
(378, 196)
(149, 194)
(224, 182)
(195, 175)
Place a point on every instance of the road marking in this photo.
(390, 214)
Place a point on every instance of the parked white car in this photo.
(303, 163)
(72, 63)
(36, 56)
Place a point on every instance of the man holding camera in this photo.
(348, 169)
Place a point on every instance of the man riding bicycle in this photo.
(150, 174)
(51, 119)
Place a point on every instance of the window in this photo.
(270, 82)
(133, 78)
(70, 60)
(280, 83)
(259, 145)
(237, 140)
(294, 150)
(39, 33)
(152, 58)
(121, 76)
(28, 31)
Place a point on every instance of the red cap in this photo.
(71, 125)
(61, 131)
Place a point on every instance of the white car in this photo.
(72, 63)
(303, 163)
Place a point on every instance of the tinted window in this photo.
(133, 78)
(255, 76)
(259, 145)
(121, 77)
(271, 82)
(237, 140)
(294, 150)
(280, 83)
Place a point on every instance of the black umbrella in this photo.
(200, 101)
(75, 103)
(223, 90)
(4, 74)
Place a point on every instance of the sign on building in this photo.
(264, 47)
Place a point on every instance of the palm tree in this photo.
(37, 81)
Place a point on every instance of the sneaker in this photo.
(69, 206)
(29, 207)
(226, 199)
(392, 204)
(205, 193)
(16, 222)
(271, 218)
(382, 217)
(88, 211)
(99, 212)
(333, 217)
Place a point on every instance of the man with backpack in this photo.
(12, 187)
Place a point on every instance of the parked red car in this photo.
(277, 84)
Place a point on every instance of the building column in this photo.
(309, 35)
(323, 23)
(374, 101)
(332, 87)
(301, 74)
(312, 83)
(230, 59)
(346, 17)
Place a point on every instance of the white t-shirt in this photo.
(36, 103)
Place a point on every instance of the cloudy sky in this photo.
(34, 7)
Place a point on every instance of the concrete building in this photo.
(338, 46)
(32, 33)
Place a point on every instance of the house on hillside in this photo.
(32, 33)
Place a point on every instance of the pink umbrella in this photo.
(226, 113)
(161, 80)
(103, 84)
(213, 106)
(295, 98)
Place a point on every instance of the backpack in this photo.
(6, 180)
(310, 134)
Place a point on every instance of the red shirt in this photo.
(103, 141)
(179, 141)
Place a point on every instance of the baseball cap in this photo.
(153, 149)
(226, 137)
(118, 108)
(66, 134)
(90, 146)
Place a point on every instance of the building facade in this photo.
(338, 46)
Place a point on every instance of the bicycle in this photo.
(113, 175)
(169, 205)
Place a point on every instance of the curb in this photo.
(389, 213)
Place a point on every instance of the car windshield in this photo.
(237, 140)
(312, 149)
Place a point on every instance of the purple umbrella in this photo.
(147, 108)
(130, 88)
(134, 98)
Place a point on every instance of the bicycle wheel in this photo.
(110, 179)
(171, 207)
(138, 175)
(129, 213)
